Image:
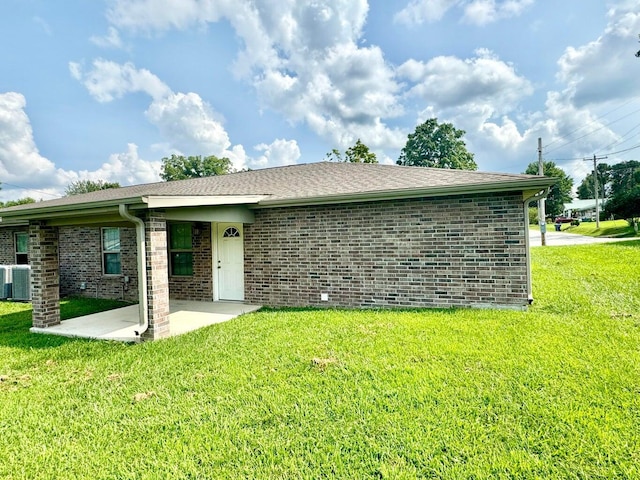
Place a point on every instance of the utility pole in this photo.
(595, 185)
(542, 222)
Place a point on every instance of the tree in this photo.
(437, 145)
(358, 153)
(560, 192)
(179, 167)
(20, 201)
(86, 186)
(586, 190)
(625, 204)
(624, 176)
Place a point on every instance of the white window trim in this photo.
(103, 252)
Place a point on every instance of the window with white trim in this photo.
(111, 260)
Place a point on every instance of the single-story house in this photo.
(583, 208)
(320, 234)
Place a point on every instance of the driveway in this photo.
(554, 238)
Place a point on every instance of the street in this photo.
(554, 238)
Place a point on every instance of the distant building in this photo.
(583, 208)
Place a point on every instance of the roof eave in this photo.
(73, 209)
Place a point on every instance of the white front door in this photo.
(230, 261)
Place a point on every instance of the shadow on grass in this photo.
(14, 332)
(626, 244)
(14, 326)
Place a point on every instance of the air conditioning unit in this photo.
(5, 282)
(21, 282)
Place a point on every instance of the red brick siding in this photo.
(81, 261)
(442, 252)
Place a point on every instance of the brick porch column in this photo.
(157, 276)
(45, 274)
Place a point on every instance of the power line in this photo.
(582, 158)
(31, 189)
(585, 126)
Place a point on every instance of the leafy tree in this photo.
(358, 153)
(179, 167)
(20, 201)
(625, 204)
(624, 176)
(586, 191)
(86, 186)
(437, 145)
(560, 193)
(624, 201)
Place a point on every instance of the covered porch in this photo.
(122, 324)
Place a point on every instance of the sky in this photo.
(103, 90)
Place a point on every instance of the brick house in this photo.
(321, 234)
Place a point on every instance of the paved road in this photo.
(560, 238)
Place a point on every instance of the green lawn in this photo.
(549, 393)
(608, 228)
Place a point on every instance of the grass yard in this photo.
(550, 393)
(608, 228)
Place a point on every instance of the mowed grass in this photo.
(608, 228)
(549, 393)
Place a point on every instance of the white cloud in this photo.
(302, 58)
(110, 40)
(483, 85)
(424, 11)
(477, 12)
(189, 123)
(603, 70)
(279, 152)
(126, 168)
(483, 12)
(109, 80)
(20, 160)
(22, 165)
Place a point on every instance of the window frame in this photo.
(174, 252)
(104, 252)
(17, 253)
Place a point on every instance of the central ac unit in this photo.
(21, 282)
(5, 282)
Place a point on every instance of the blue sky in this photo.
(105, 89)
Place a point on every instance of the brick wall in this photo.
(7, 244)
(81, 261)
(198, 287)
(441, 252)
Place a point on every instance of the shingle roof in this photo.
(304, 181)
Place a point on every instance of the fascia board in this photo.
(70, 210)
(173, 201)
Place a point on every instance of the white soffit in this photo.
(166, 201)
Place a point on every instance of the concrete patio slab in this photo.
(122, 324)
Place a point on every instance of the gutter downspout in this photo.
(532, 198)
(143, 314)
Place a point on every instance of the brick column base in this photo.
(157, 276)
(45, 274)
